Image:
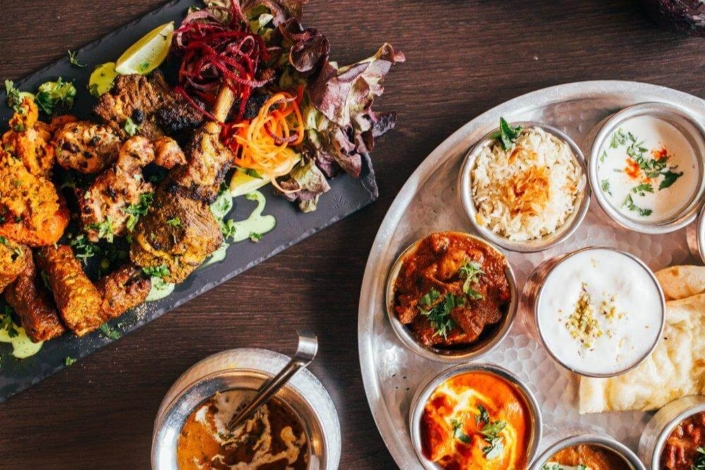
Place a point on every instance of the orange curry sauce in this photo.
(476, 421)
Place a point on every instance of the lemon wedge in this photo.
(242, 183)
(102, 79)
(148, 53)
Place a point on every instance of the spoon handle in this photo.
(306, 351)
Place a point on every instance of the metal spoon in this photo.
(308, 346)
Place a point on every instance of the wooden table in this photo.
(463, 57)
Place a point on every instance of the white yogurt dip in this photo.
(600, 312)
(648, 170)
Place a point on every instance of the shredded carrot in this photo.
(264, 144)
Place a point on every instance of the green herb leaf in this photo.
(109, 332)
(13, 95)
(6, 322)
(507, 134)
(74, 61)
(82, 248)
(669, 177)
(135, 211)
(700, 460)
(605, 185)
(175, 222)
(104, 229)
(495, 449)
(130, 127)
(56, 96)
(643, 188)
(483, 416)
(69, 361)
(156, 271)
(228, 228)
(618, 138)
(471, 271)
(629, 204)
(255, 237)
(458, 432)
(603, 156)
(430, 299)
(439, 315)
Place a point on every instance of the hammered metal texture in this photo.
(428, 203)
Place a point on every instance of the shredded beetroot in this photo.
(215, 54)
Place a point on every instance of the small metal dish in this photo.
(529, 246)
(531, 298)
(604, 441)
(427, 388)
(474, 351)
(695, 236)
(662, 424)
(691, 129)
(246, 369)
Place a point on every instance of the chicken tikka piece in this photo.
(34, 305)
(30, 139)
(85, 146)
(14, 259)
(32, 212)
(77, 299)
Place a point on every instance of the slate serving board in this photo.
(346, 196)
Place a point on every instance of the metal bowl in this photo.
(693, 131)
(695, 236)
(528, 246)
(660, 427)
(472, 352)
(427, 388)
(604, 441)
(531, 297)
(246, 369)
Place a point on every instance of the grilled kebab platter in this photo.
(171, 155)
(535, 295)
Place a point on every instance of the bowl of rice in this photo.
(527, 193)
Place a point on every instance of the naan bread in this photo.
(679, 282)
(676, 368)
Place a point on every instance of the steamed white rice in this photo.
(528, 191)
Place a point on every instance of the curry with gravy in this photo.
(451, 289)
(685, 447)
(588, 456)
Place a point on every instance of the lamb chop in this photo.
(180, 231)
(151, 105)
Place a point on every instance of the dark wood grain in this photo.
(463, 57)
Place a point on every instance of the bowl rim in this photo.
(693, 404)
(542, 283)
(601, 440)
(459, 355)
(563, 232)
(428, 386)
(669, 113)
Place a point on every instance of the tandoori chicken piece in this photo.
(105, 205)
(14, 259)
(180, 231)
(29, 140)
(85, 146)
(167, 153)
(123, 289)
(77, 299)
(149, 103)
(32, 212)
(34, 306)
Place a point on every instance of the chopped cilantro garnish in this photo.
(507, 134)
(156, 271)
(13, 95)
(439, 314)
(82, 248)
(135, 211)
(629, 204)
(605, 185)
(74, 61)
(700, 460)
(109, 332)
(471, 272)
(618, 138)
(669, 177)
(130, 127)
(255, 237)
(58, 95)
(458, 432)
(642, 189)
(69, 361)
(104, 229)
(6, 322)
(175, 222)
